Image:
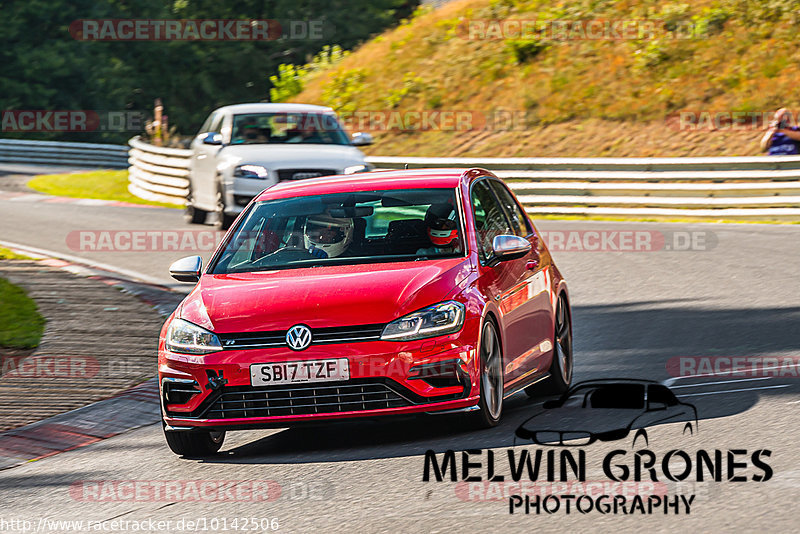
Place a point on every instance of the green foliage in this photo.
(711, 21)
(342, 91)
(524, 50)
(411, 85)
(289, 83)
(674, 16)
(45, 67)
(292, 79)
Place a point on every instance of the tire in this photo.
(191, 214)
(194, 444)
(561, 367)
(491, 400)
(224, 221)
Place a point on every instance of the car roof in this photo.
(373, 181)
(274, 108)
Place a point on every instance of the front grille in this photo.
(242, 200)
(319, 336)
(296, 399)
(302, 174)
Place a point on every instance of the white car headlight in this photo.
(357, 168)
(437, 320)
(251, 171)
(184, 337)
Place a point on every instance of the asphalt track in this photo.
(633, 312)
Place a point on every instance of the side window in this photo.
(490, 221)
(519, 221)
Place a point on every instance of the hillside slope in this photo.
(574, 95)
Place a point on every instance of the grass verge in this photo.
(21, 325)
(102, 185)
(6, 254)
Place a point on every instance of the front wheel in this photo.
(192, 214)
(194, 444)
(561, 367)
(224, 221)
(490, 405)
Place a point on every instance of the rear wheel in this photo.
(491, 401)
(561, 367)
(194, 444)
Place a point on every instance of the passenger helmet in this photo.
(442, 227)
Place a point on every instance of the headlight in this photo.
(184, 337)
(357, 168)
(251, 171)
(437, 320)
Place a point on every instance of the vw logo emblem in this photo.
(298, 337)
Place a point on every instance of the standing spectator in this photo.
(781, 139)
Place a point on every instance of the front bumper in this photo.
(386, 378)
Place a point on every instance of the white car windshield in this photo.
(287, 128)
(343, 228)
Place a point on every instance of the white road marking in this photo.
(670, 381)
(731, 391)
(722, 382)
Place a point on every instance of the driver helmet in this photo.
(442, 227)
(330, 234)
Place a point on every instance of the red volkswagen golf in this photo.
(384, 293)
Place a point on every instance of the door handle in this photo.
(532, 264)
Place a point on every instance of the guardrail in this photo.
(58, 153)
(711, 188)
(158, 173)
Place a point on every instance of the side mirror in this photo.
(510, 247)
(362, 139)
(656, 406)
(212, 138)
(187, 269)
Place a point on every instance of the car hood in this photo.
(321, 297)
(295, 156)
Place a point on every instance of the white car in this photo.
(245, 148)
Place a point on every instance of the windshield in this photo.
(287, 128)
(344, 228)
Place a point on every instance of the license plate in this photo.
(275, 374)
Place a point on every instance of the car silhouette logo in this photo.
(298, 337)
